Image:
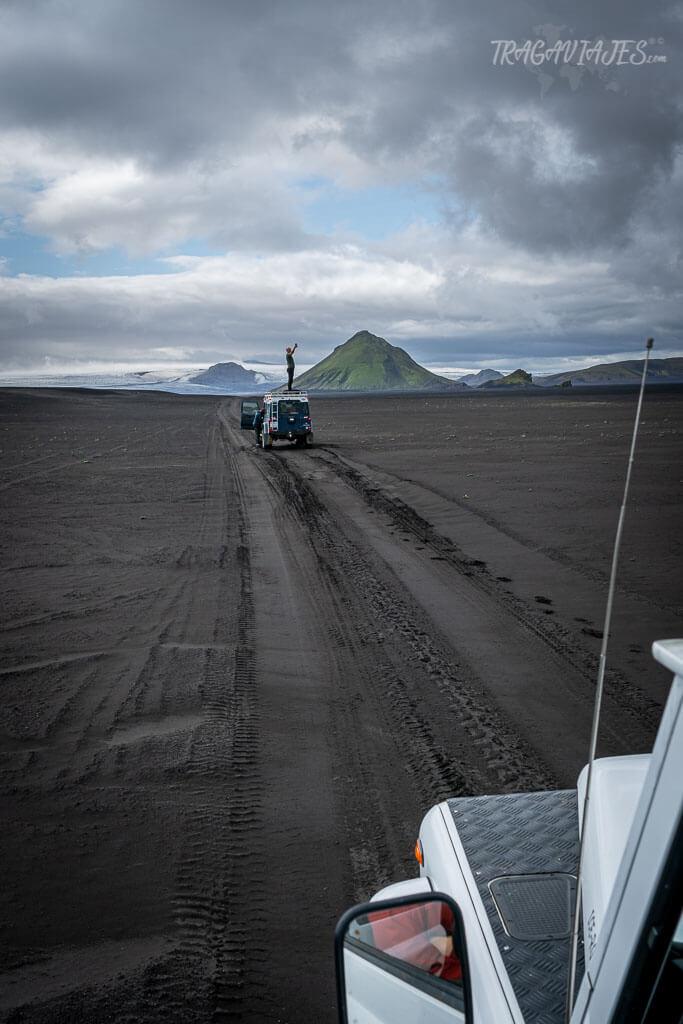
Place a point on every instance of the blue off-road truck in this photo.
(285, 416)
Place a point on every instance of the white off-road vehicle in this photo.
(483, 935)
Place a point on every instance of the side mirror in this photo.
(403, 959)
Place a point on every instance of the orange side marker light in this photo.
(418, 853)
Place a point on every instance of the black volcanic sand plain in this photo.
(233, 681)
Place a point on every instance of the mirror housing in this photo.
(402, 959)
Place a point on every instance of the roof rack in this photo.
(269, 395)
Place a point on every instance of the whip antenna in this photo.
(598, 694)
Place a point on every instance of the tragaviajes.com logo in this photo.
(579, 52)
(550, 56)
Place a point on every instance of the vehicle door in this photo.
(248, 410)
(289, 413)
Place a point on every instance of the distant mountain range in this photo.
(629, 371)
(367, 362)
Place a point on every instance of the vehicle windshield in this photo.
(664, 1002)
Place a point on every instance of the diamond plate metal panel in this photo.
(524, 834)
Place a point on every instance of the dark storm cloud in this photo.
(592, 197)
(167, 82)
(546, 160)
(165, 79)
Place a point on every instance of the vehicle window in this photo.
(293, 406)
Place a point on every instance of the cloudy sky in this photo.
(482, 182)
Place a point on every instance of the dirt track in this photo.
(233, 681)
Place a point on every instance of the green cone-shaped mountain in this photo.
(368, 363)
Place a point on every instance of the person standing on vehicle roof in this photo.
(290, 365)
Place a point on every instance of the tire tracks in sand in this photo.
(316, 665)
(368, 713)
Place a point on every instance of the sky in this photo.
(485, 183)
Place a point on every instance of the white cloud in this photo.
(446, 301)
(103, 204)
(171, 355)
(389, 46)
